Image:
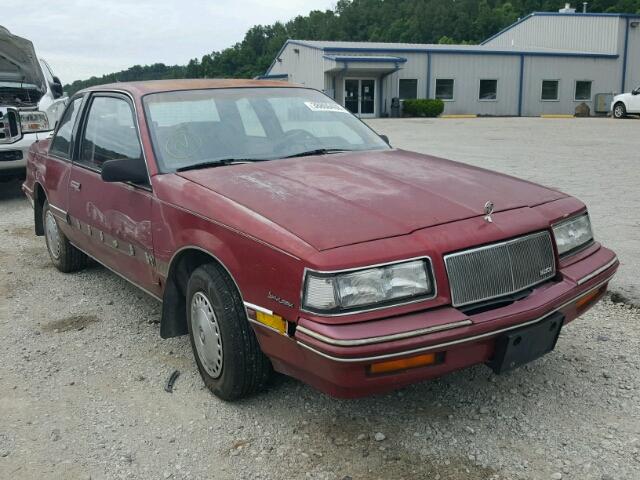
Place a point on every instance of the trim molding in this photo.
(597, 272)
(440, 346)
(383, 338)
(258, 308)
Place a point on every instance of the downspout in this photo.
(382, 77)
(428, 74)
(520, 87)
(624, 57)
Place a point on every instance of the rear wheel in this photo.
(619, 110)
(64, 256)
(224, 345)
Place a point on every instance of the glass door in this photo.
(360, 96)
(367, 97)
(351, 89)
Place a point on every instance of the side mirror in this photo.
(131, 170)
(635, 92)
(386, 139)
(56, 88)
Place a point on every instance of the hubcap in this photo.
(206, 334)
(53, 235)
(618, 111)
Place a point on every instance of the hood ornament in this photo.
(488, 210)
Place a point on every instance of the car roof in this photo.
(138, 89)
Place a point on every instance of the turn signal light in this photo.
(585, 302)
(270, 320)
(405, 363)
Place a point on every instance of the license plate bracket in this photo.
(521, 346)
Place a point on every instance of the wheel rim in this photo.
(206, 334)
(618, 111)
(52, 235)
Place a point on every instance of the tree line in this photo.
(413, 21)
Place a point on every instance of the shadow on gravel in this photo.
(75, 322)
(10, 190)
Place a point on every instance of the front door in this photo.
(112, 219)
(360, 96)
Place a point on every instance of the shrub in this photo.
(423, 107)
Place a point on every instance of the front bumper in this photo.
(9, 151)
(336, 358)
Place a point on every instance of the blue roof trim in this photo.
(558, 14)
(590, 14)
(352, 59)
(470, 52)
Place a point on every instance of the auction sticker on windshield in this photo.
(325, 107)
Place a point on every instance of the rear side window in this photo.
(61, 143)
(109, 134)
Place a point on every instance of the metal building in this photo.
(546, 63)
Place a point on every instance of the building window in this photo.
(488, 90)
(583, 90)
(549, 90)
(444, 88)
(408, 88)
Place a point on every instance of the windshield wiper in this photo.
(215, 163)
(318, 151)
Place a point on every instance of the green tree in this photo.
(412, 21)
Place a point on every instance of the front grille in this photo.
(9, 125)
(500, 269)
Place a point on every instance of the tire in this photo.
(64, 256)
(224, 345)
(619, 110)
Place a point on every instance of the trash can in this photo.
(395, 107)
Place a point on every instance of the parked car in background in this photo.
(626, 103)
(279, 231)
(31, 101)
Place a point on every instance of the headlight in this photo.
(572, 234)
(34, 122)
(359, 289)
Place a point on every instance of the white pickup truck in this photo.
(626, 103)
(31, 102)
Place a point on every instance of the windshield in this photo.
(194, 127)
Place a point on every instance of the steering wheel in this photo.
(181, 144)
(297, 136)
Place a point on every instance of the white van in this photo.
(31, 101)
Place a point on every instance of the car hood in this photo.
(342, 199)
(18, 63)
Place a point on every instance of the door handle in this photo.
(75, 185)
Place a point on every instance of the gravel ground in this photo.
(81, 390)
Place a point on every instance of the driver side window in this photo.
(109, 134)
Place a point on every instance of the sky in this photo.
(82, 38)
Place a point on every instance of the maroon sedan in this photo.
(280, 232)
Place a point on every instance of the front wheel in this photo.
(619, 110)
(224, 345)
(64, 256)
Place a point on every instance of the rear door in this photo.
(113, 218)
